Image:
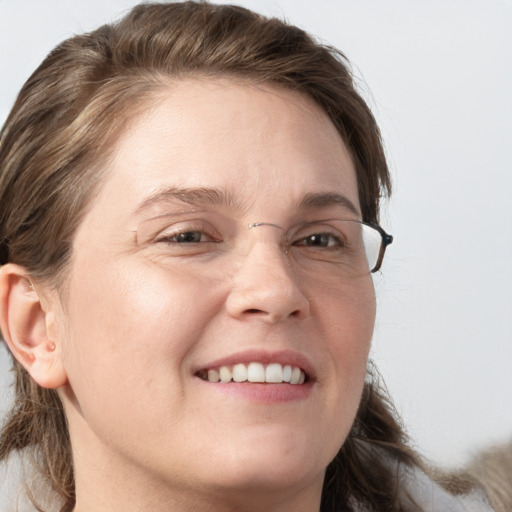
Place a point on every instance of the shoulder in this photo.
(417, 488)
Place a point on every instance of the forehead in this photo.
(264, 145)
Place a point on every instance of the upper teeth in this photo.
(256, 372)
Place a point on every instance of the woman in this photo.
(189, 225)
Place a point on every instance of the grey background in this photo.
(438, 75)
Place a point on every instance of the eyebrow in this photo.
(316, 200)
(193, 196)
(223, 197)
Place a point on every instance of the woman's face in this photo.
(168, 285)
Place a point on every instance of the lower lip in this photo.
(262, 393)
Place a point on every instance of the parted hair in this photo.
(63, 123)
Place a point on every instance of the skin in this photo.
(141, 316)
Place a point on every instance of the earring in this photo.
(51, 346)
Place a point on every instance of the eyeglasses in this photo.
(324, 249)
(355, 247)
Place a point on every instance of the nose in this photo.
(265, 287)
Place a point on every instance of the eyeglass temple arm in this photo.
(386, 240)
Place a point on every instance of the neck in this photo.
(109, 496)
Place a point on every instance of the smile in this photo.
(273, 373)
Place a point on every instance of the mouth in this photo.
(259, 376)
(255, 372)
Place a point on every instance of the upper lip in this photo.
(283, 357)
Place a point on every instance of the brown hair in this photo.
(59, 131)
(492, 468)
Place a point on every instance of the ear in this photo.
(29, 328)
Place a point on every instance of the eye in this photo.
(320, 240)
(187, 237)
(194, 233)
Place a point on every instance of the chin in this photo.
(252, 478)
(273, 463)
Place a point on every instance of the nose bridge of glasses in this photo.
(259, 224)
(269, 232)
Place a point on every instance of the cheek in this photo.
(130, 326)
(134, 302)
(349, 317)
(360, 320)
(358, 327)
(347, 312)
(128, 337)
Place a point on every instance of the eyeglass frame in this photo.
(386, 239)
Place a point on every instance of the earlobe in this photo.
(26, 325)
